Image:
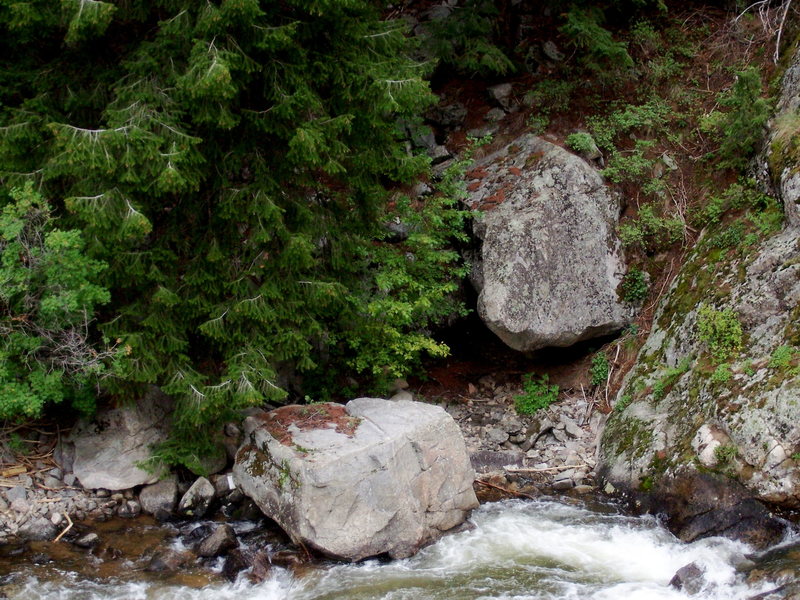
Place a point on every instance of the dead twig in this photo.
(505, 490)
(66, 529)
(546, 470)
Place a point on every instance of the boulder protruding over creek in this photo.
(369, 478)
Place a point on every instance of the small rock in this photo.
(552, 52)
(129, 509)
(402, 395)
(168, 561)
(501, 94)
(495, 435)
(16, 493)
(56, 518)
(102, 493)
(235, 562)
(90, 540)
(571, 427)
(197, 499)
(480, 132)
(55, 472)
(69, 479)
(609, 489)
(559, 435)
(52, 482)
(689, 579)
(159, 499)
(219, 542)
(3, 505)
(232, 430)
(439, 154)
(495, 115)
(37, 529)
(20, 506)
(448, 116)
(562, 484)
(262, 565)
(583, 489)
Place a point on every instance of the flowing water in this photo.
(533, 550)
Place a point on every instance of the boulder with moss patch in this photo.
(369, 478)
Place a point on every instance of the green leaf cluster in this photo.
(48, 297)
(537, 394)
(720, 330)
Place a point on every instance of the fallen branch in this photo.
(504, 490)
(66, 529)
(547, 470)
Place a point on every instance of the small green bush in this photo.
(634, 286)
(722, 374)
(720, 330)
(650, 232)
(580, 142)
(725, 454)
(623, 403)
(783, 359)
(537, 394)
(47, 299)
(599, 369)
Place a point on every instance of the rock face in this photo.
(108, 449)
(783, 144)
(549, 262)
(370, 478)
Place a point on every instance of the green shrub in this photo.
(741, 128)
(630, 166)
(580, 142)
(725, 454)
(722, 374)
(599, 369)
(784, 358)
(670, 377)
(537, 394)
(634, 286)
(720, 330)
(48, 296)
(600, 52)
(650, 232)
(623, 403)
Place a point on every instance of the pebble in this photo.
(16, 493)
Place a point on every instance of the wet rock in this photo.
(129, 509)
(14, 548)
(109, 448)
(219, 542)
(235, 562)
(495, 115)
(90, 540)
(194, 533)
(704, 505)
(392, 478)
(197, 499)
(262, 565)
(689, 578)
(159, 498)
(168, 561)
(552, 52)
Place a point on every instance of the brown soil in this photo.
(315, 416)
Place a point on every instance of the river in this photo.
(518, 550)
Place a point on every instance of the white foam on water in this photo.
(540, 550)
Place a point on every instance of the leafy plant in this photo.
(720, 330)
(623, 403)
(784, 358)
(631, 165)
(670, 377)
(537, 394)
(48, 295)
(599, 370)
(741, 127)
(650, 232)
(600, 52)
(466, 39)
(581, 142)
(725, 454)
(634, 286)
(722, 374)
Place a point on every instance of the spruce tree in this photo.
(228, 160)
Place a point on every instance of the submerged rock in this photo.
(374, 477)
(550, 262)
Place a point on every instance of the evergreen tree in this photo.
(228, 161)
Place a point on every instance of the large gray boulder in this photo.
(369, 478)
(549, 262)
(110, 448)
